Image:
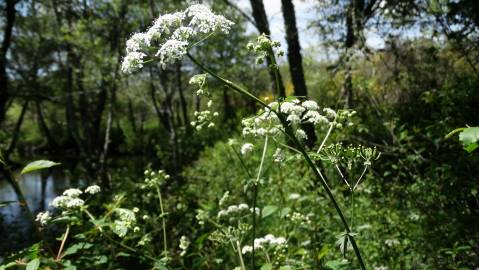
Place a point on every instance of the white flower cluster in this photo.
(43, 218)
(171, 34)
(126, 221)
(246, 148)
(296, 113)
(237, 210)
(94, 189)
(263, 242)
(69, 199)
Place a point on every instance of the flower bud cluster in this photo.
(263, 46)
(205, 118)
(171, 35)
(350, 155)
(184, 244)
(154, 178)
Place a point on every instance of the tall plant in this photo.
(173, 37)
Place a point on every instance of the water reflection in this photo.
(39, 189)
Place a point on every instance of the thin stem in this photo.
(342, 176)
(162, 221)
(360, 177)
(238, 247)
(326, 137)
(227, 82)
(67, 231)
(255, 195)
(352, 210)
(288, 130)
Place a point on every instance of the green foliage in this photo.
(38, 165)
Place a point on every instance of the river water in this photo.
(39, 190)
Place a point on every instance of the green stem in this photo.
(318, 175)
(163, 221)
(255, 195)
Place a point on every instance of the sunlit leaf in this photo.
(269, 210)
(38, 165)
(33, 264)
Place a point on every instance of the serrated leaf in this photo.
(269, 210)
(33, 264)
(38, 165)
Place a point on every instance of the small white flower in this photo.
(43, 218)
(72, 192)
(310, 105)
(301, 134)
(246, 148)
(132, 62)
(93, 189)
(172, 51)
(60, 201)
(137, 42)
(246, 249)
(294, 196)
(75, 203)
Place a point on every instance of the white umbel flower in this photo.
(137, 42)
(310, 105)
(205, 21)
(246, 148)
(172, 51)
(43, 218)
(132, 61)
(93, 189)
(72, 192)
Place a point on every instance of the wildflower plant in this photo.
(171, 39)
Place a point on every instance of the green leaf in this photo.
(33, 264)
(323, 252)
(267, 266)
(75, 248)
(269, 210)
(38, 165)
(285, 267)
(469, 136)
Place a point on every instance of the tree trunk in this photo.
(296, 62)
(183, 104)
(259, 15)
(16, 130)
(44, 127)
(7, 38)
